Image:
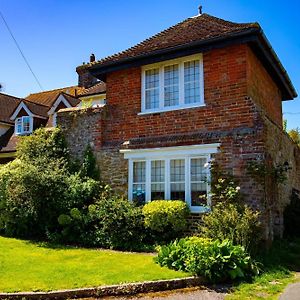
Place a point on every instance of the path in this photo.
(292, 291)
(181, 294)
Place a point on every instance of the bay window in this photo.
(174, 84)
(181, 173)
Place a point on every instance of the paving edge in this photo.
(110, 290)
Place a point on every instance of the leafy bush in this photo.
(217, 261)
(39, 186)
(291, 216)
(237, 223)
(166, 219)
(111, 222)
(43, 145)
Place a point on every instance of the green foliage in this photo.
(291, 216)
(89, 165)
(224, 187)
(284, 125)
(167, 219)
(110, 222)
(259, 170)
(295, 135)
(217, 261)
(43, 145)
(39, 186)
(237, 223)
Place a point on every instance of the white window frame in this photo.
(167, 154)
(161, 66)
(21, 119)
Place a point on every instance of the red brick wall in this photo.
(263, 89)
(225, 82)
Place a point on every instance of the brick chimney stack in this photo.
(85, 79)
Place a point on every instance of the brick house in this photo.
(204, 88)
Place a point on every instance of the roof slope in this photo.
(47, 98)
(98, 88)
(201, 27)
(72, 100)
(37, 109)
(8, 104)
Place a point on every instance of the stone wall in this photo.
(281, 149)
(81, 127)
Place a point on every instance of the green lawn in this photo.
(282, 266)
(26, 266)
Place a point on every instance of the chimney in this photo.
(85, 79)
(92, 58)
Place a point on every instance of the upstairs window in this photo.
(173, 85)
(23, 125)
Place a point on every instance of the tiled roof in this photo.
(8, 104)
(72, 100)
(8, 141)
(47, 98)
(198, 28)
(37, 109)
(98, 88)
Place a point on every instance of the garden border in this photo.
(110, 290)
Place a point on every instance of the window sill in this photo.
(170, 109)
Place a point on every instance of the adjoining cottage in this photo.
(203, 89)
(22, 116)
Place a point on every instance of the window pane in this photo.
(26, 124)
(198, 171)
(177, 177)
(192, 81)
(178, 191)
(171, 85)
(157, 191)
(198, 182)
(198, 194)
(177, 170)
(139, 180)
(157, 180)
(158, 171)
(139, 193)
(139, 172)
(152, 88)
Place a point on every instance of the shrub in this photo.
(110, 222)
(217, 261)
(39, 186)
(43, 145)
(237, 223)
(167, 219)
(291, 216)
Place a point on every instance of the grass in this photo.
(26, 266)
(281, 267)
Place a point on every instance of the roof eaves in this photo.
(207, 44)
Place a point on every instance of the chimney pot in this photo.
(92, 57)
